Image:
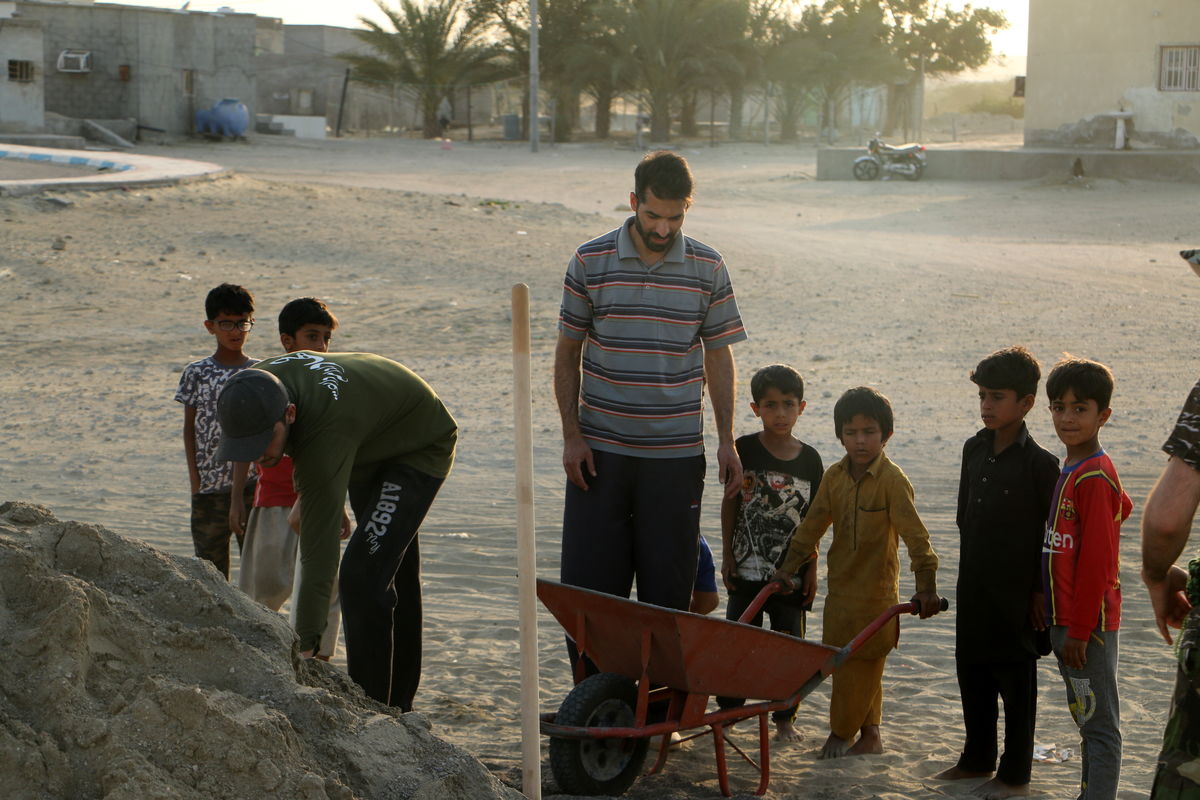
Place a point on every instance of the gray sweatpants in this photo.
(1095, 706)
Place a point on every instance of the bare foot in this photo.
(957, 773)
(996, 789)
(835, 747)
(785, 731)
(869, 742)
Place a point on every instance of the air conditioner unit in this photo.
(75, 61)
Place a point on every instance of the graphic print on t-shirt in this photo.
(773, 504)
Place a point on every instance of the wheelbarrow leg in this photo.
(764, 754)
(674, 709)
(718, 732)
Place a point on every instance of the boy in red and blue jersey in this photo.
(1080, 568)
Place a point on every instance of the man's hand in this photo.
(785, 578)
(1166, 525)
(577, 461)
(347, 528)
(808, 584)
(294, 517)
(929, 602)
(1074, 653)
(727, 571)
(237, 516)
(1037, 610)
(1169, 599)
(729, 469)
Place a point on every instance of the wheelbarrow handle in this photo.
(765, 593)
(943, 605)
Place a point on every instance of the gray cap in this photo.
(247, 409)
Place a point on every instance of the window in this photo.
(189, 81)
(20, 71)
(1179, 69)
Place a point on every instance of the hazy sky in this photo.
(345, 13)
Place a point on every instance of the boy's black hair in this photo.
(666, 174)
(228, 298)
(866, 401)
(305, 311)
(782, 377)
(1011, 368)
(1084, 378)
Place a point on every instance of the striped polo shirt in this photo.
(646, 329)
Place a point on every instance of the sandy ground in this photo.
(902, 286)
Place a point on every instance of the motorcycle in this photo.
(907, 160)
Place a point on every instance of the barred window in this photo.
(20, 71)
(1179, 69)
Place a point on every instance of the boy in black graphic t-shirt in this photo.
(780, 476)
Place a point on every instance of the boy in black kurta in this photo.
(1004, 495)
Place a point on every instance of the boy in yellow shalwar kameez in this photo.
(869, 502)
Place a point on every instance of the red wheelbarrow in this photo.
(601, 733)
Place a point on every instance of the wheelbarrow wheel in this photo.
(598, 766)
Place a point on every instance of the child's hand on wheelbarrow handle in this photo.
(928, 603)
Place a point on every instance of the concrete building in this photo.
(1097, 66)
(158, 66)
(22, 88)
(299, 72)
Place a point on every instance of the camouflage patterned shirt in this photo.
(1184, 441)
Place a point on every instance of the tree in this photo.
(784, 65)
(569, 32)
(839, 44)
(674, 46)
(435, 47)
(931, 39)
(751, 53)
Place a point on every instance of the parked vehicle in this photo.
(883, 160)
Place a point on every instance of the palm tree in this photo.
(434, 47)
(572, 48)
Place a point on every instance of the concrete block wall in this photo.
(157, 45)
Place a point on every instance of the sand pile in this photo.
(130, 673)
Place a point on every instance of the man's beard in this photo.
(655, 245)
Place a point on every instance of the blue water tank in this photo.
(228, 117)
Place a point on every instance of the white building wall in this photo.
(1093, 57)
(22, 103)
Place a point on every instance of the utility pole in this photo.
(535, 125)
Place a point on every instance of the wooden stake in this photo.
(531, 738)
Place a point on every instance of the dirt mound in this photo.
(129, 673)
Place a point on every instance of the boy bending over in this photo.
(869, 502)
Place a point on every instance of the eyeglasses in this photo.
(234, 324)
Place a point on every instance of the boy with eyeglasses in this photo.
(230, 316)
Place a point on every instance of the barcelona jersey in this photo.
(1081, 551)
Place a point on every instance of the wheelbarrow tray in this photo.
(688, 652)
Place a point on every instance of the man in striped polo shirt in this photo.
(647, 318)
